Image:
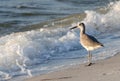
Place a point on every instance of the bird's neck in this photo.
(82, 31)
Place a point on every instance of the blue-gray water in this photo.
(48, 44)
(14, 14)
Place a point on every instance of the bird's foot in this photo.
(89, 64)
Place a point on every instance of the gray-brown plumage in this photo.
(87, 41)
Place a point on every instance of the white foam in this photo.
(104, 22)
(20, 50)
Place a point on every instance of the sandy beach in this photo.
(102, 70)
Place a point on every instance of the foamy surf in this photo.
(47, 49)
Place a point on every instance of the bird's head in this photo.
(79, 25)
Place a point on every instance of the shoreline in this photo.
(102, 70)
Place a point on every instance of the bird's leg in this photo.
(89, 59)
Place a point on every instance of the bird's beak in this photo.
(73, 27)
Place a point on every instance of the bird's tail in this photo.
(102, 45)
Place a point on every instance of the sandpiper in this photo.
(87, 41)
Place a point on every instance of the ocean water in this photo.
(14, 14)
(35, 38)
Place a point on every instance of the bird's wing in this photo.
(94, 39)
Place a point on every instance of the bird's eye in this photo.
(79, 24)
